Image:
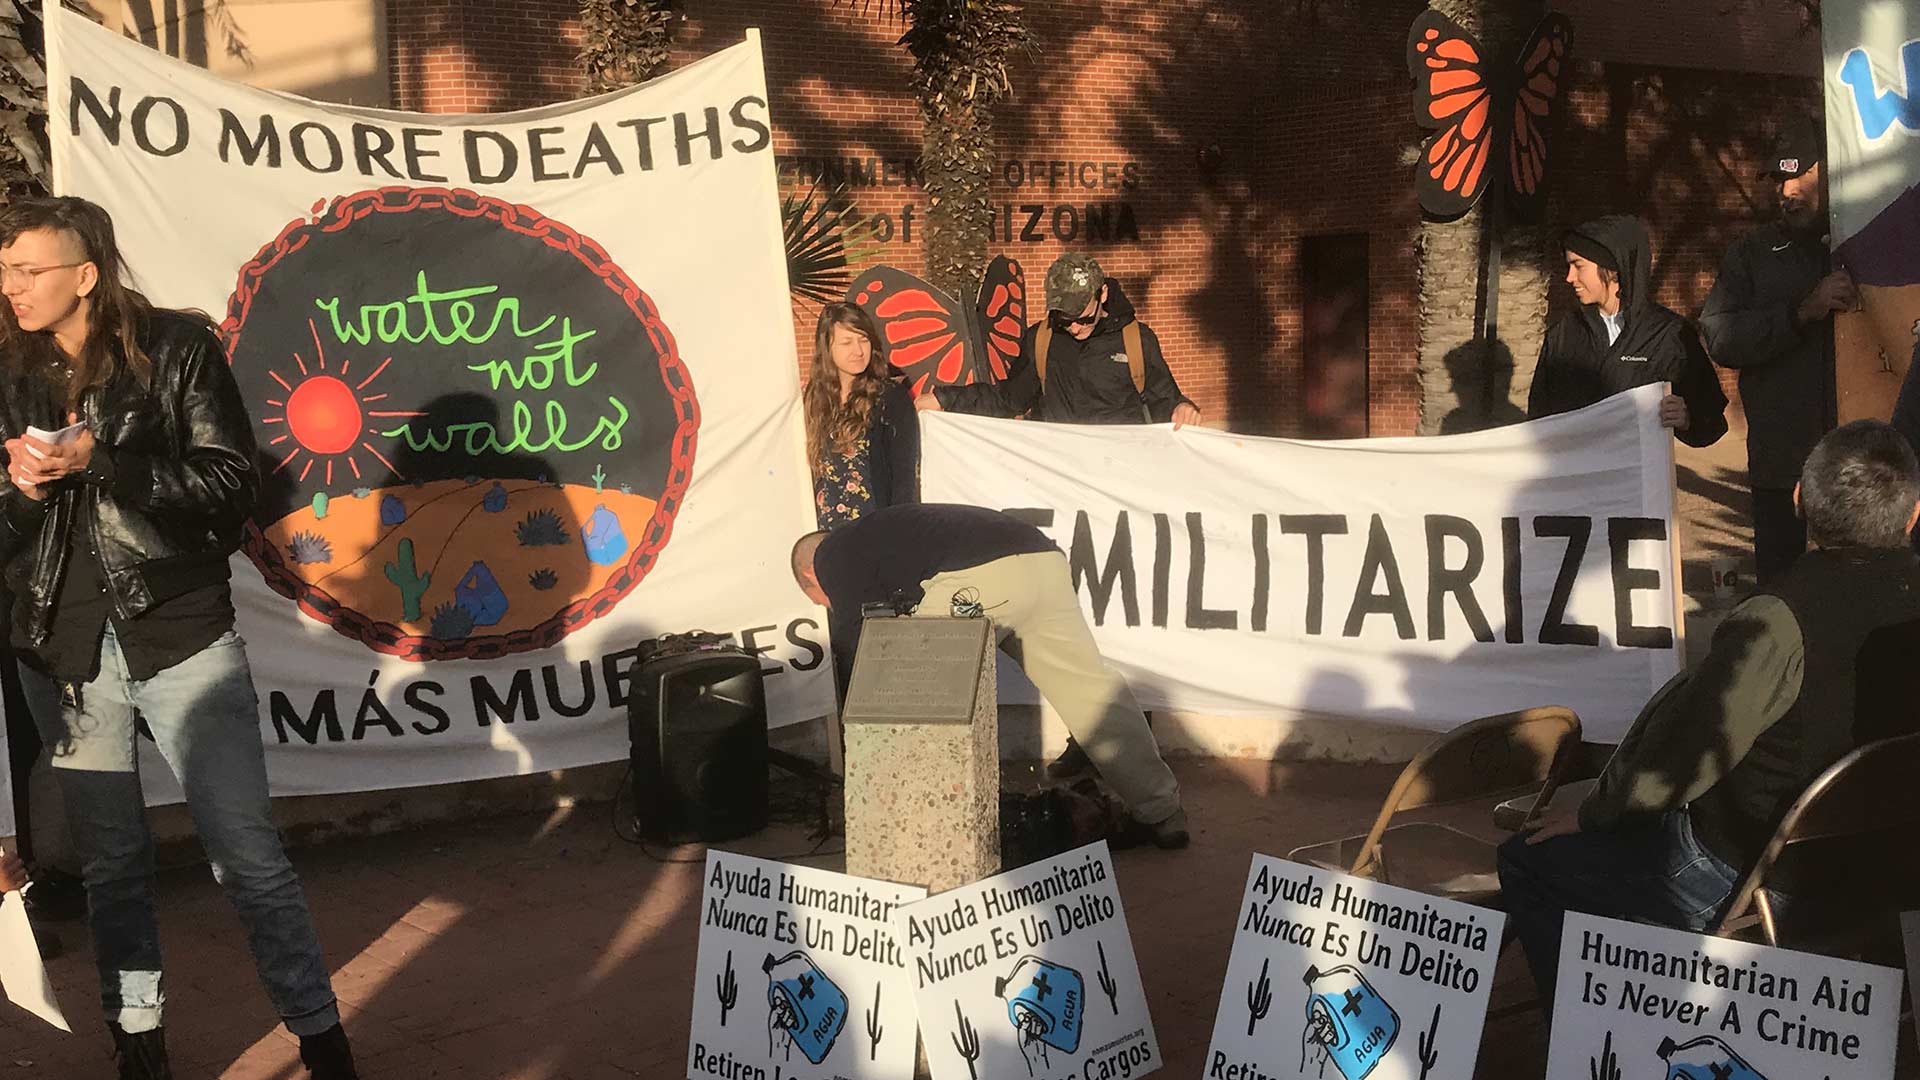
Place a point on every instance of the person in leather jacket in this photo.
(116, 534)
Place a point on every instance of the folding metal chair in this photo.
(1482, 760)
(1867, 793)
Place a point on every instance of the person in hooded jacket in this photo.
(1088, 378)
(1619, 338)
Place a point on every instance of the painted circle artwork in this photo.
(475, 430)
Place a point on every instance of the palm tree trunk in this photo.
(960, 49)
(957, 160)
(1466, 383)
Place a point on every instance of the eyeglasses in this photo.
(31, 274)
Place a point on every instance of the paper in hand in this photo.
(22, 975)
(54, 438)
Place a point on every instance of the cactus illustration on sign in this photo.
(412, 583)
(728, 989)
(1259, 997)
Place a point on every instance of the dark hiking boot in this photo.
(141, 1055)
(327, 1055)
(1171, 834)
(1072, 763)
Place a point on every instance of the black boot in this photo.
(142, 1055)
(327, 1055)
(1072, 763)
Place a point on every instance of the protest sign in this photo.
(1413, 581)
(1638, 1001)
(1031, 973)
(1377, 981)
(800, 975)
(23, 977)
(1872, 89)
(524, 388)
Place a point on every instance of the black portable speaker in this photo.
(697, 721)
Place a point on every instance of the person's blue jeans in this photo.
(1655, 871)
(203, 716)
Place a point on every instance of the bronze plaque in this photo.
(917, 671)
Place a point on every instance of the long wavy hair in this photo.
(835, 426)
(113, 321)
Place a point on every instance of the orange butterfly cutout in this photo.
(1488, 119)
(932, 339)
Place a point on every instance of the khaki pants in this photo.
(1031, 601)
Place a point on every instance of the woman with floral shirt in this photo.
(863, 439)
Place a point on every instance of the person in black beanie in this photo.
(1769, 316)
(1619, 338)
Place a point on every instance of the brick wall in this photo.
(456, 56)
(1308, 104)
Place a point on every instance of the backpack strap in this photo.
(1136, 356)
(1042, 341)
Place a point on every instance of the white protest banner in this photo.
(1031, 973)
(801, 975)
(1635, 1000)
(1418, 581)
(1872, 53)
(1328, 968)
(524, 387)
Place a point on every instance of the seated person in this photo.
(944, 560)
(13, 873)
(1715, 759)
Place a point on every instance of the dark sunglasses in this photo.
(1061, 322)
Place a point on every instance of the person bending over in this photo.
(947, 560)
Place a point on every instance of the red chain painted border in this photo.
(385, 637)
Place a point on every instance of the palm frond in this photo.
(825, 236)
(23, 100)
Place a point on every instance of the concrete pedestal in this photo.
(923, 753)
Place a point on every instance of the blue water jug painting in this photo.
(481, 595)
(1044, 1004)
(1704, 1058)
(804, 1008)
(602, 535)
(1348, 1022)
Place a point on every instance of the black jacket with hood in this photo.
(1088, 382)
(1785, 365)
(1578, 367)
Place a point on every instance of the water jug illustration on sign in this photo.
(1044, 1003)
(1704, 1058)
(804, 1008)
(1348, 1022)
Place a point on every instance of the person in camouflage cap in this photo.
(1088, 376)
